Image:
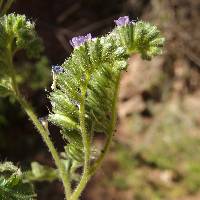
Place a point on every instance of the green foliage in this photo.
(83, 99)
(16, 33)
(12, 185)
(41, 173)
(19, 33)
(140, 37)
(5, 86)
(90, 77)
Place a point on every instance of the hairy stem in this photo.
(104, 151)
(45, 136)
(87, 174)
(86, 144)
(43, 132)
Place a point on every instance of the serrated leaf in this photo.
(96, 65)
(12, 185)
(18, 33)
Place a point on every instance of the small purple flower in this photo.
(122, 21)
(78, 41)
(57, 69)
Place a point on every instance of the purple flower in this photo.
(57, 69)
(78, 41)
(122, 21)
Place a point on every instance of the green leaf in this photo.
(16, 33)
(140, 37)
(5, 87)
(19, 33)
(96, 66)
(12, 185)
(41, 173)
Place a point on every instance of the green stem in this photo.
(86, 144)
(45, 135)
(87, 175)
(99, 161)
(43, 132)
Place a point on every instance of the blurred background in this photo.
(156, 151)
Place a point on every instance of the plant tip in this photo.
(122, 21)
(80, 40)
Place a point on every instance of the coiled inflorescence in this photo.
(90, 75)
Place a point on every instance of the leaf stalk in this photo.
(42, 131)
